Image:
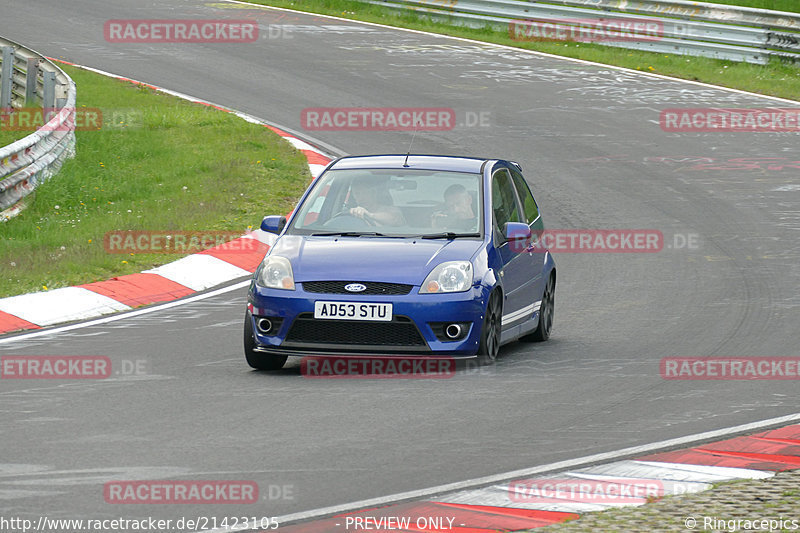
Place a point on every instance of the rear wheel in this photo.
(546, 312)
(490, 333)
(257, 360)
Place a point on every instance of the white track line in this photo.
(122, 316)
(552, 467)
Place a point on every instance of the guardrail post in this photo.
(61, 95)
(30, 80)
(6, 76)
(49, 93)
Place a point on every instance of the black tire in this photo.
(259, 361)
(490, 332)
(546, 313)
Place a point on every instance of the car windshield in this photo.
(392, 203)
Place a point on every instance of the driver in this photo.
(371, 196)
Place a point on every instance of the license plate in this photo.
(353, 311)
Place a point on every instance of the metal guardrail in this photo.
(685, 28)
(746, 16)
(27, 79)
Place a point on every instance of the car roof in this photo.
(417, 162)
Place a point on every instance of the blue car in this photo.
(407, 255)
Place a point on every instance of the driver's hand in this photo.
(359, 212)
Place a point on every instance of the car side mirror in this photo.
(273, 224)
(515, 231)
(517, 235)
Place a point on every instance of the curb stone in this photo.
(188, 275)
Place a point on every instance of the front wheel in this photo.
(259, 361)
(546, 312)
(490, 333)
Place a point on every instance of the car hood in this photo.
(369, 258)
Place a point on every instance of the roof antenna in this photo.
(405, 163)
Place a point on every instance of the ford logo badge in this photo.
(355, 287)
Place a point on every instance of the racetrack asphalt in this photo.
(589, 141)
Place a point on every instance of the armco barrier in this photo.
(686, 28)
(26, 79)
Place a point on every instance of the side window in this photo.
(528, 203)
(504, 200)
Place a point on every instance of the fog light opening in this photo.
(264, 325)
(453, 331)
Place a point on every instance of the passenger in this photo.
(457, 213)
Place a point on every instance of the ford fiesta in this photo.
(411, 255)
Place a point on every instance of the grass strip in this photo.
(791, 6)
(157, 163)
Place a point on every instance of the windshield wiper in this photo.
(448, 235)
(348, 234)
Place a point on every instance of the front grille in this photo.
(373, 287)
(401, 331)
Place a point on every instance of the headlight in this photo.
(452, 276)
(276, 273)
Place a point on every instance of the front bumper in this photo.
(423, 312)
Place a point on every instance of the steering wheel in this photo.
(369, 219)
